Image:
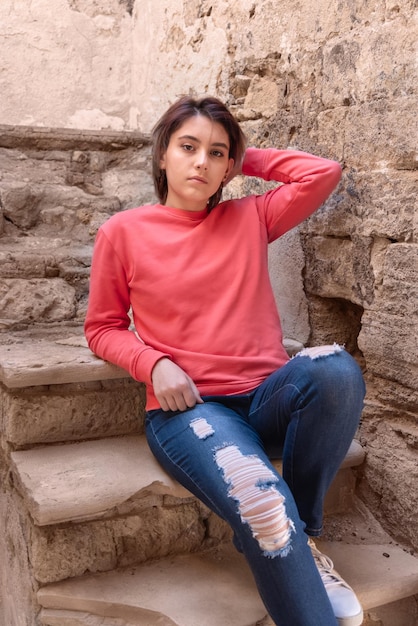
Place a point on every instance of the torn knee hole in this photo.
(317, 352)
(254, 486)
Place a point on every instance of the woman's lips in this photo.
(198, 179)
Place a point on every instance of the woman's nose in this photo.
(201, 160)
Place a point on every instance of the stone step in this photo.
(94, 479)
(43, 256)
(212, 588)
(29, 362)
(88, 480)
(59, 182)
(46, 280)
(39, 361)
(54, 389)
(103, 504)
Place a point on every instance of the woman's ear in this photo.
(162, 162)
(230, 173)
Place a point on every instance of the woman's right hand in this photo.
(173, 388)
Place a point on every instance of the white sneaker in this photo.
(347, 608)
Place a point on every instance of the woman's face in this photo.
(196, 162)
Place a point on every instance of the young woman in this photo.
(223, 398)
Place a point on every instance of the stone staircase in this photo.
(95, 533)
(57, 186)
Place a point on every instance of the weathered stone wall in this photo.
(56, 188)
(338, 79)
(65, 63)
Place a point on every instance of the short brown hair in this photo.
(171, 121)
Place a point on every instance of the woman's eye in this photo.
(187, 147)
(217, 153)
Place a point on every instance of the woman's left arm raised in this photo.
(307, 181)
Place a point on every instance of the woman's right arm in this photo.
(107, 324)
(107, 329)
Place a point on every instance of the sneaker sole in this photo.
(354, 620)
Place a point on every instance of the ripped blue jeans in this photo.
(307, 413)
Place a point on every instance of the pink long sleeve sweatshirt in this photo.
(198, 282)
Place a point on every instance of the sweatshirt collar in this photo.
(193, 216)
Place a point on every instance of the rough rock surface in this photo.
(341, 83)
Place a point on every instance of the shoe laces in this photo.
(325, 566)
